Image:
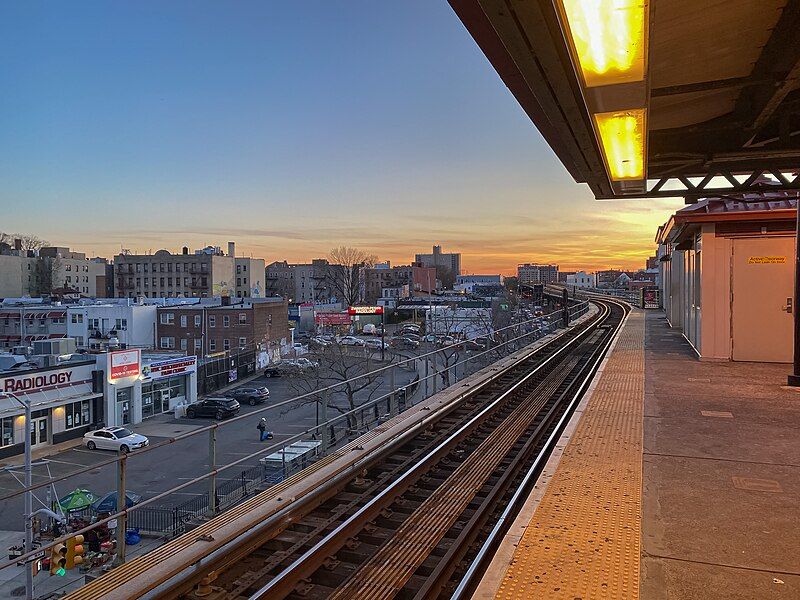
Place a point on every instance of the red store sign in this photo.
(124, 363)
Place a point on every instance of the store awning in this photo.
(57, 314)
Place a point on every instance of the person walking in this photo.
(262, 428)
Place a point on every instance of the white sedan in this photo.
(114, 438)
(350, 340)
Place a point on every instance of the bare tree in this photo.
(48, 276)
(337, 365)
(31, 242)
(345, 273)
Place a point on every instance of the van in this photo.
(369, 329)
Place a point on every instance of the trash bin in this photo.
(180, 410)
(132, 536)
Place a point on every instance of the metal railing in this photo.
(167, 521)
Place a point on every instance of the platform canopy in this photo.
(654, 98)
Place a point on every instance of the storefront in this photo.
(114, 388)
(63, 401)
(168, 383)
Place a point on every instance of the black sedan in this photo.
(216, 408)
(251, 396)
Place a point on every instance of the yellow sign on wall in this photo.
(766, 260)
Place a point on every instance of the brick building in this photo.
(228, 325)
(418, 278)
(206, 273)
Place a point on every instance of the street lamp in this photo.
(28, 493)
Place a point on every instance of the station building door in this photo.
(762, 282)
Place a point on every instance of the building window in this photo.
(198, 344)
(197, 320)
(94, 323)
(162, 281)
(184, 321)
(77, 318)
(242, 318)
(212, 321)
(184, 344)
(167, 343)
(242, 342)
(226, 344)
(77, 414)
(167, 318)
(226, 321)
(122, 324)
(212, 345)
(7, 431)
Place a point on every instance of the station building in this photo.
(727, 276)
(70, 398)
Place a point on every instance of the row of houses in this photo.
(198, 327)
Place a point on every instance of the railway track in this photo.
(412, 516)
(410, 525)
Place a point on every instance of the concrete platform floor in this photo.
(721, 476)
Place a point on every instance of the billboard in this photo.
(172, 366)
(124, 363)
(332, 318)
(365, 310)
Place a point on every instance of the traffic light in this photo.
(58, 560)
(74, 551)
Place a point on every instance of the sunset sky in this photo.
(289, 128)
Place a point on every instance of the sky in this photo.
(289, 128)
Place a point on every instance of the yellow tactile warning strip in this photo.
(583, 540)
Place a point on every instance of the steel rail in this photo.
(478, 565)
(129, 571)
(306, 564)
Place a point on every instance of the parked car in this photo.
(279, 369)
(120, 439)
(471, 346)
(376, 344)
(411, 327)
(305, 364)
(251, 396)
(412, 336)
(351, 340)
(216, 408)
(369, 329)
(404, 342)
(448, 340)
(319, 342)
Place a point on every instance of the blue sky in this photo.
(289, 128)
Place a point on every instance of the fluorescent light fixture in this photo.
(609, 39)
(622, 136)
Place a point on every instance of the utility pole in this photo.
(28, 516)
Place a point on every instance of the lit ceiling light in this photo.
(609, 39)
(622, 136)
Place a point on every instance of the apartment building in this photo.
(530, 273)
(299, 282)
(233, 324)
(53, 271)
(416, 278)
(104, 325)
(206, 273)
(24, 323)
(437, 258)
(72, 272)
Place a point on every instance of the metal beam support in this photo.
(122, 505)
(794, 378)
(676, 186)
(212, 465)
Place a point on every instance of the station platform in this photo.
(676, 479)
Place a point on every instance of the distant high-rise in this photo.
(438, 258)
(529, 273)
